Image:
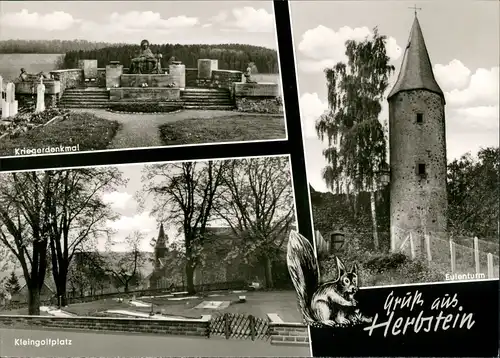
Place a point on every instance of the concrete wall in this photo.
(418, 203)
(198, 328)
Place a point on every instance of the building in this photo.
(219, 262)
(417, 137)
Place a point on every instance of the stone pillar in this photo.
(10, 99)
(89, 68)
(178, 72)
(2, 100)
(113, 74)
(40, 98)
(5, 109)
(205, 68)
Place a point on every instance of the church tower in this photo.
(417, 139)
(160, 247)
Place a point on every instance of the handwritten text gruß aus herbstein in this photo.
(441, 320)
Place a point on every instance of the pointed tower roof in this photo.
(416, 68)
(161, 242)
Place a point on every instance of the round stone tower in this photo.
(417, 139)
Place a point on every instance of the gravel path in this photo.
(142, 130)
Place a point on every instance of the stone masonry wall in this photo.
(184, 328)
(69, 78)
(289, 333)
(220, 79)
(259, 105)
(191, 76)
(418, 203)
(101, 77)
(29, 101)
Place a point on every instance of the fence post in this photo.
(452, 256)
(251, 320)
(428, 247)
(490, 265)
(476, 255)
(412, 247)
(227, 325)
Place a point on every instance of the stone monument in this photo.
(248, 74)
(40, 97)
(9, 106)
(113, 73)
(205, 68)
(178, 72)
(146, 62)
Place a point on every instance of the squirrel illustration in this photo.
(330, 303)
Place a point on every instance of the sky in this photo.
(183, 22)
(462, 39)
(132, 217)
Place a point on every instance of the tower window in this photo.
(421, 169)
(420, 117)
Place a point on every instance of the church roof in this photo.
(161, 242)
(416, 69)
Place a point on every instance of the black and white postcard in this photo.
(192, 252)
(94, 76)
(400, 111)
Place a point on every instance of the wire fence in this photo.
(459, 258)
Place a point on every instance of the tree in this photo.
(258, 206)
(24, 226)
(126, 268)
(12, 283)
(77, 214)
(356, 139)
(473, 196)
(87, 273)
(185, 193)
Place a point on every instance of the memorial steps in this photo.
(207, 98)
(191, 98)
(92, 97)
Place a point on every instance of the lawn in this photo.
(227, 129)
(84, 129)
(259, 304)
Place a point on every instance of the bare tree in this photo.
(258, 206)
(77, 215)
(127, 267)
(185, 194)
(24, 226)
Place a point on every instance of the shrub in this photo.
(144, 107)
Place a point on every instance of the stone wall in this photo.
(199, 328)
(101, 77)
(259, 105)
(29, 101)
(69, 78)
(191, 77)
(220, 79)
(152, 94)
(257, 97)
(287, 332)
(418, 203)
